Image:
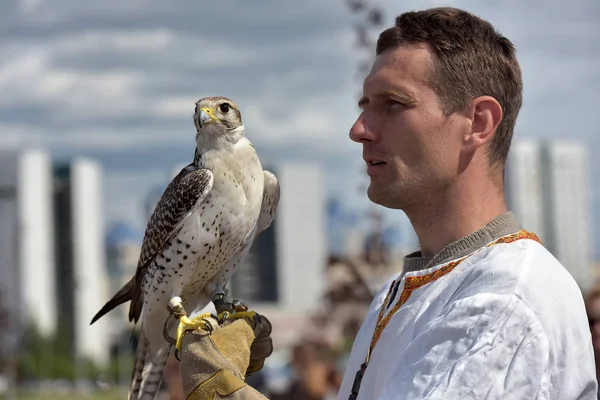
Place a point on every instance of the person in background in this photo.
(171, 385)
(315, 373)
(482, 310)
(592, 305)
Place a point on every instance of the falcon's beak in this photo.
(205, 116)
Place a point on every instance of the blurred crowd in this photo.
(592, 305)
(315, 376)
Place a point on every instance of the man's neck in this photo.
(451, 217)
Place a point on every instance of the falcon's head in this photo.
(217, 116)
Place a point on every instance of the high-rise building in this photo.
(82, 279)
(548, 188)
(524, 185)
(26, 238)
(568, 211)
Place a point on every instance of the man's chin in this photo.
(382, 198)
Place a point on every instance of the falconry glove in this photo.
(216, 359)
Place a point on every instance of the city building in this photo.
(524, 185)
(549, 189)
(26, 239)
(569, 211)
(52, 258)
(82, 279)
(27, 295)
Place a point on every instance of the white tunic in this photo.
(508, 322)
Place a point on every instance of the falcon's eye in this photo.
(224, 108)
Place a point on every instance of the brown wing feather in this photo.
(185, 190)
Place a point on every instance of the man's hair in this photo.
(471, 59)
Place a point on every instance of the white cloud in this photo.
(82, 99)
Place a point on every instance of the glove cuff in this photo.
(224, 383)
(207, 368)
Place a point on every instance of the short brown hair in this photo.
(472, 59)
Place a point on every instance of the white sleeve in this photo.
(483, 347)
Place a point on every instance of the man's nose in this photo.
(360, 131)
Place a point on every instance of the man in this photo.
(483, 310)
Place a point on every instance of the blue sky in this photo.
(118, 80)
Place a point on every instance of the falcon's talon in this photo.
(252, 315)
(239, 305)
(187, 324)
(222, 316)
(166, 335)
(208, 327)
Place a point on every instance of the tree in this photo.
(369, 17)
(42, 357)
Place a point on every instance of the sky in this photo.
(117, 81)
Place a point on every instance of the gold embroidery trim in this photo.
(412, 283)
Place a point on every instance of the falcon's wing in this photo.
(188, 188)
(270, 201)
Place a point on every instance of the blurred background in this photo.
(96, 103)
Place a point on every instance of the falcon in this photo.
(200, 230)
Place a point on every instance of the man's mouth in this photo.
(375, 162)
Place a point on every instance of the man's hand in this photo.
(217, 360)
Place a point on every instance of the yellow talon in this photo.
(222, 316)
(187, 324)
(242, 314)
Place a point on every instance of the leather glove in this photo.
(217, 362)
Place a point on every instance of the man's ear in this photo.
(485, 113)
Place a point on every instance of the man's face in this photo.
(411, 148)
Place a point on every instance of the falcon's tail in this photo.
(123, 295)
(148, 369)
